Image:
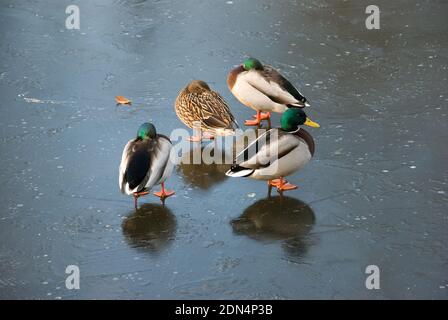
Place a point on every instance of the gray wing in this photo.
(274, 76)
(160, 157)
(136, 166)
(267, 148)
(272, 84)
(123, 165)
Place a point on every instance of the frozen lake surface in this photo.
(375, 193)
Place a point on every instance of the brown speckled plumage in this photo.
(197, 102)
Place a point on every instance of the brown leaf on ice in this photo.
(122, 100)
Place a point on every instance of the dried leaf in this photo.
(122, 100)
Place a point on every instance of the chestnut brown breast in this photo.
(231, 79)
(302, 133)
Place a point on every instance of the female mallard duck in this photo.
(145, 163)
(263, 89)
(278, 152)
(198, 103)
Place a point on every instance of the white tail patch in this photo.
(128, 190)
(240, 173)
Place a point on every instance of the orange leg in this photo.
(137, 195)
(275, 182)
(270, 185)
(163, 194)
(265, 115)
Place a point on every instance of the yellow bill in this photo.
(311, 123)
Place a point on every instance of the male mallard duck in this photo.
(263, 89)
(278, 152)
(145, 163)
(198, 103)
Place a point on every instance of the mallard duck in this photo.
(278, 152)
(263, 89)
(145, 163)
(198, 103)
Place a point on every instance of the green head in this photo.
(146, 131)
(252, 63)
(295, 117)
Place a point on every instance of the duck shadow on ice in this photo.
(278, 218)
(202, 175)
(151, 228)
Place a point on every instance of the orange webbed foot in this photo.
(139, 194)
(281, 185)
(255, 122)
(286, 186)
(164, 194)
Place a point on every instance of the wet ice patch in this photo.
(338, 152)
(34, 100)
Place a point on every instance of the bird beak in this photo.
(310, 123)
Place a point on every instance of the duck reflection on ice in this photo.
(275, 219)
(151, 227)
(201, 175)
